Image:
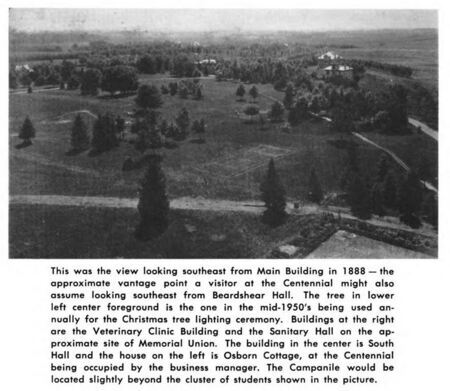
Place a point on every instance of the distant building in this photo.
(329, 56)
(24, 67)
(207, 61)
(338, 70)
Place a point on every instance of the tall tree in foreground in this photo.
(273, 195)
(359, 197)
(315, 193)
(79, 139)
(27, 131)
(153, 203)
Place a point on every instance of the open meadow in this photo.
(229, 165)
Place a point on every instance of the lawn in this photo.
(227, 166)
(66, 232)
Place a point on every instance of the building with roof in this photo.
(338, 70)
(329, 56)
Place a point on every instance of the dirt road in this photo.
(202, 204)
(424, 128)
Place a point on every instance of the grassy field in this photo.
(417, 49)
(229, 165)
(67, 232)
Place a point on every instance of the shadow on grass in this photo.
(23, 144)
(118, 96)
(197, 141)
(75, 152)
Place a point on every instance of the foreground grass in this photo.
(66, 232)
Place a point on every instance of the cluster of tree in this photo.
(298, 111)
(153, 64)
(422, 103)
(253, 92)
(105, 133)
(154, 132)
(352, 109)
(389, 192)
(265, 70)
(119, 78)
(189, 87)
(183, 66)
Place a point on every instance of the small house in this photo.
(338, 70)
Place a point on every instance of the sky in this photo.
(52, 19)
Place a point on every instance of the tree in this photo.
(198, 93)
(359, 197)
(342, 118)
(173, 88)
(430, 209)
(73, 83)
(289, 95)
(146, 64)
(315, 193)
(251, 110)
(119, 78)
(276, 112)
(153, 206)
(182, 121)
(198, 127)
(27, 131)
(410, 197)
(148, 97)
(164, 89)
(253, 92)
(90, 81)
(79, 137)
(120, 126)
(273, 195)
(397, 107)
(314, 106)
(240, 92)
(377, 201)
(381, 121)
(104, 134)
(383, 167)
(183, 91)
(298, 112)
(389, 190)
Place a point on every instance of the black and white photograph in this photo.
(223, 133)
